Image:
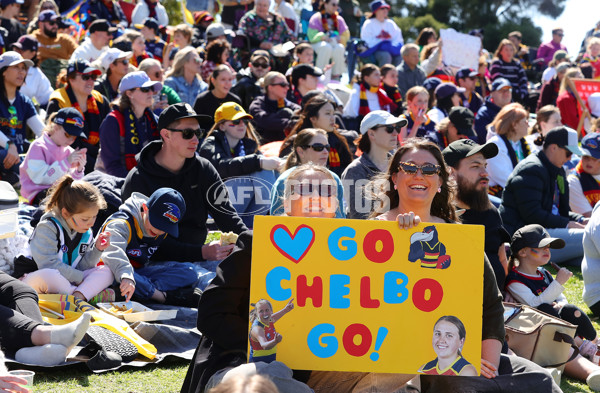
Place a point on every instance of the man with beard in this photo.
(54, 49)
(468, 166)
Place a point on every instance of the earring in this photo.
(439, 189)
(395, 187)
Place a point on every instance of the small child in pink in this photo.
(592, 55)
(50, 156)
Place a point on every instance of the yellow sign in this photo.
(366, 295)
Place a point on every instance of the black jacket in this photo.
(203, 192)
(485, 115)
(271, 121)
(529, 194)
(246, 88)
(207, 104)
(214, 149)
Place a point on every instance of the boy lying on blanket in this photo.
(137, 230)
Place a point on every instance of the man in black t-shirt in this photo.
(9, 12)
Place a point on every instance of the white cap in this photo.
(380, 118)
(113, 54)
(12, 58)
(594, 104)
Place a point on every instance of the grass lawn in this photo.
(168, 376)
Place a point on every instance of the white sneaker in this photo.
(593, 380)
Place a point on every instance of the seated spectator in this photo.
(319, 112)
(36, 86)
(181, 39)
(17, 112)
(587, 70)
(233, 11)
(458, 125)
(419, 124)
(379, 136)
(247, 86)
(447, 96)
(546, 50)
(550, 89)
(304, 54)
(511, 127)
(530, 195)
(149, 9)
(9, 20)
(115, 63)
(382, 35)
(202, 19)
(150, 30)
(285, 9)
(264, 29)
(367, 95)
(465, 78)
(184, 77)
(584, 189)
(506, 66)
(482, 82)
(522, 51)
(304, 78)
(167, 95)
(389, 83)
(79, 93)
(546, 118)
(50, 157)
(130, 126)
(566, 101)
(100, 34)
(216, 53)
(43, 5)
(138, 46)
(589, 266)
(217, 94)
(110, 10)
(500, 96)
(592, 55)
(272, 112)
(410, 73)
(560, 57)
(232, 147)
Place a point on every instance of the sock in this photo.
(70, 334)
(44, 355)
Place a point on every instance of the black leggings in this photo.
(585, 328)
(19, 313)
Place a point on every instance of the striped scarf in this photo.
(384, 100)
(333, 17)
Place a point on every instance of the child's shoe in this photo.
(106, 296)
(593, 381)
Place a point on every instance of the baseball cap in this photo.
(47, 16)
(432, 83)
(594, 104)
(165, 208)
(377, 4)
(12, 58)
(6, 3)
(563, 137)
(202, 16)
(71, 120)
(447, 89)
(534, 236)
(258, 54)
(560, 54)
(464, 148)
(113, 54)
(215, 30)
(562, 67)
(462, 118)
(26, 42)
(301, 71)
(500, 84)
(465, 72)
(380, 118)
(82, 66)
(137, 79)
(102, 25)
(150, 23)
(590, 145)
(181, 110)
(231, 111)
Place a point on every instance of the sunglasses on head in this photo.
(282, 84)
(188, 133)
(426, 169)
(87, 77)
(122, 61)
(238, 121)
(261, 65)
(317, 147)
(307, 189)
(145, 89)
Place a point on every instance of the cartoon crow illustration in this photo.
(425, 246)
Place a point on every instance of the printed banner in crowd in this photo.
(360, 295)
(459, 49)
(586, 87)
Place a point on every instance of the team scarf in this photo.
(512, 153)
(333, 18)
(384, 100)
(297, 97)
(280, 103)
(92, 116)
(131, 136)
(136, 60)
(151, 9)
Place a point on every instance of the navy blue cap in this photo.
(377, 4)
(590, 145)
(165, 208)
(500, 84)
(6, 3)
(71, 120)
(26, 42)
(447, 89)
(47, 16)
(431, 83)
(82, 66)
(465, 72)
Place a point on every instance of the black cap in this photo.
(534, 236)
(26, 42)
(101, 25)
(462, 118)
(301, 71)
(152, 23)
(177, 112)
(82, 66)
(71, 120)
(563, 137)
(464, 148)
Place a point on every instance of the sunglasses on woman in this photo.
(145, 89)
(87, 77)
(238, 121)
(390, 129)
(426, 169)
(307, 189)
(122, 61)
(282, 84)
(188, 133)
(317, 147)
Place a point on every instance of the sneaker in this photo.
(184, 297)
(593, 381)
(106, 296)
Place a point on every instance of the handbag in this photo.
(539, 337)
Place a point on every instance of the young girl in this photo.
(529, 283)
(263, 336)
(592, 55)
(50, 157)
(63, 246)
(389, 83)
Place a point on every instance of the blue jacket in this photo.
(485, 116)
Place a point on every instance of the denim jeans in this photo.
(163, 276)
(572, 253)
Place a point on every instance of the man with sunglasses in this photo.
(173, 162)
(247, 87)
(546, 50)
(537, 192)
(100, 34)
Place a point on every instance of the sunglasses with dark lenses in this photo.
(145, 89)
(317, 147)
(122, 61)
(261, 65)
(52, 22)
(426, 169)
(238, 121)
(87, 77)
(569, 152)
(307, 189)
(188, 133)
(282, 84)
(391, 129)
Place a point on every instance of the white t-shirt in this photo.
(373, 32)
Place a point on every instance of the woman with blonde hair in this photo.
(547, 118)
(566, 101)
(184, 77)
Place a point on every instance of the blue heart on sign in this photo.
(294, 247)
